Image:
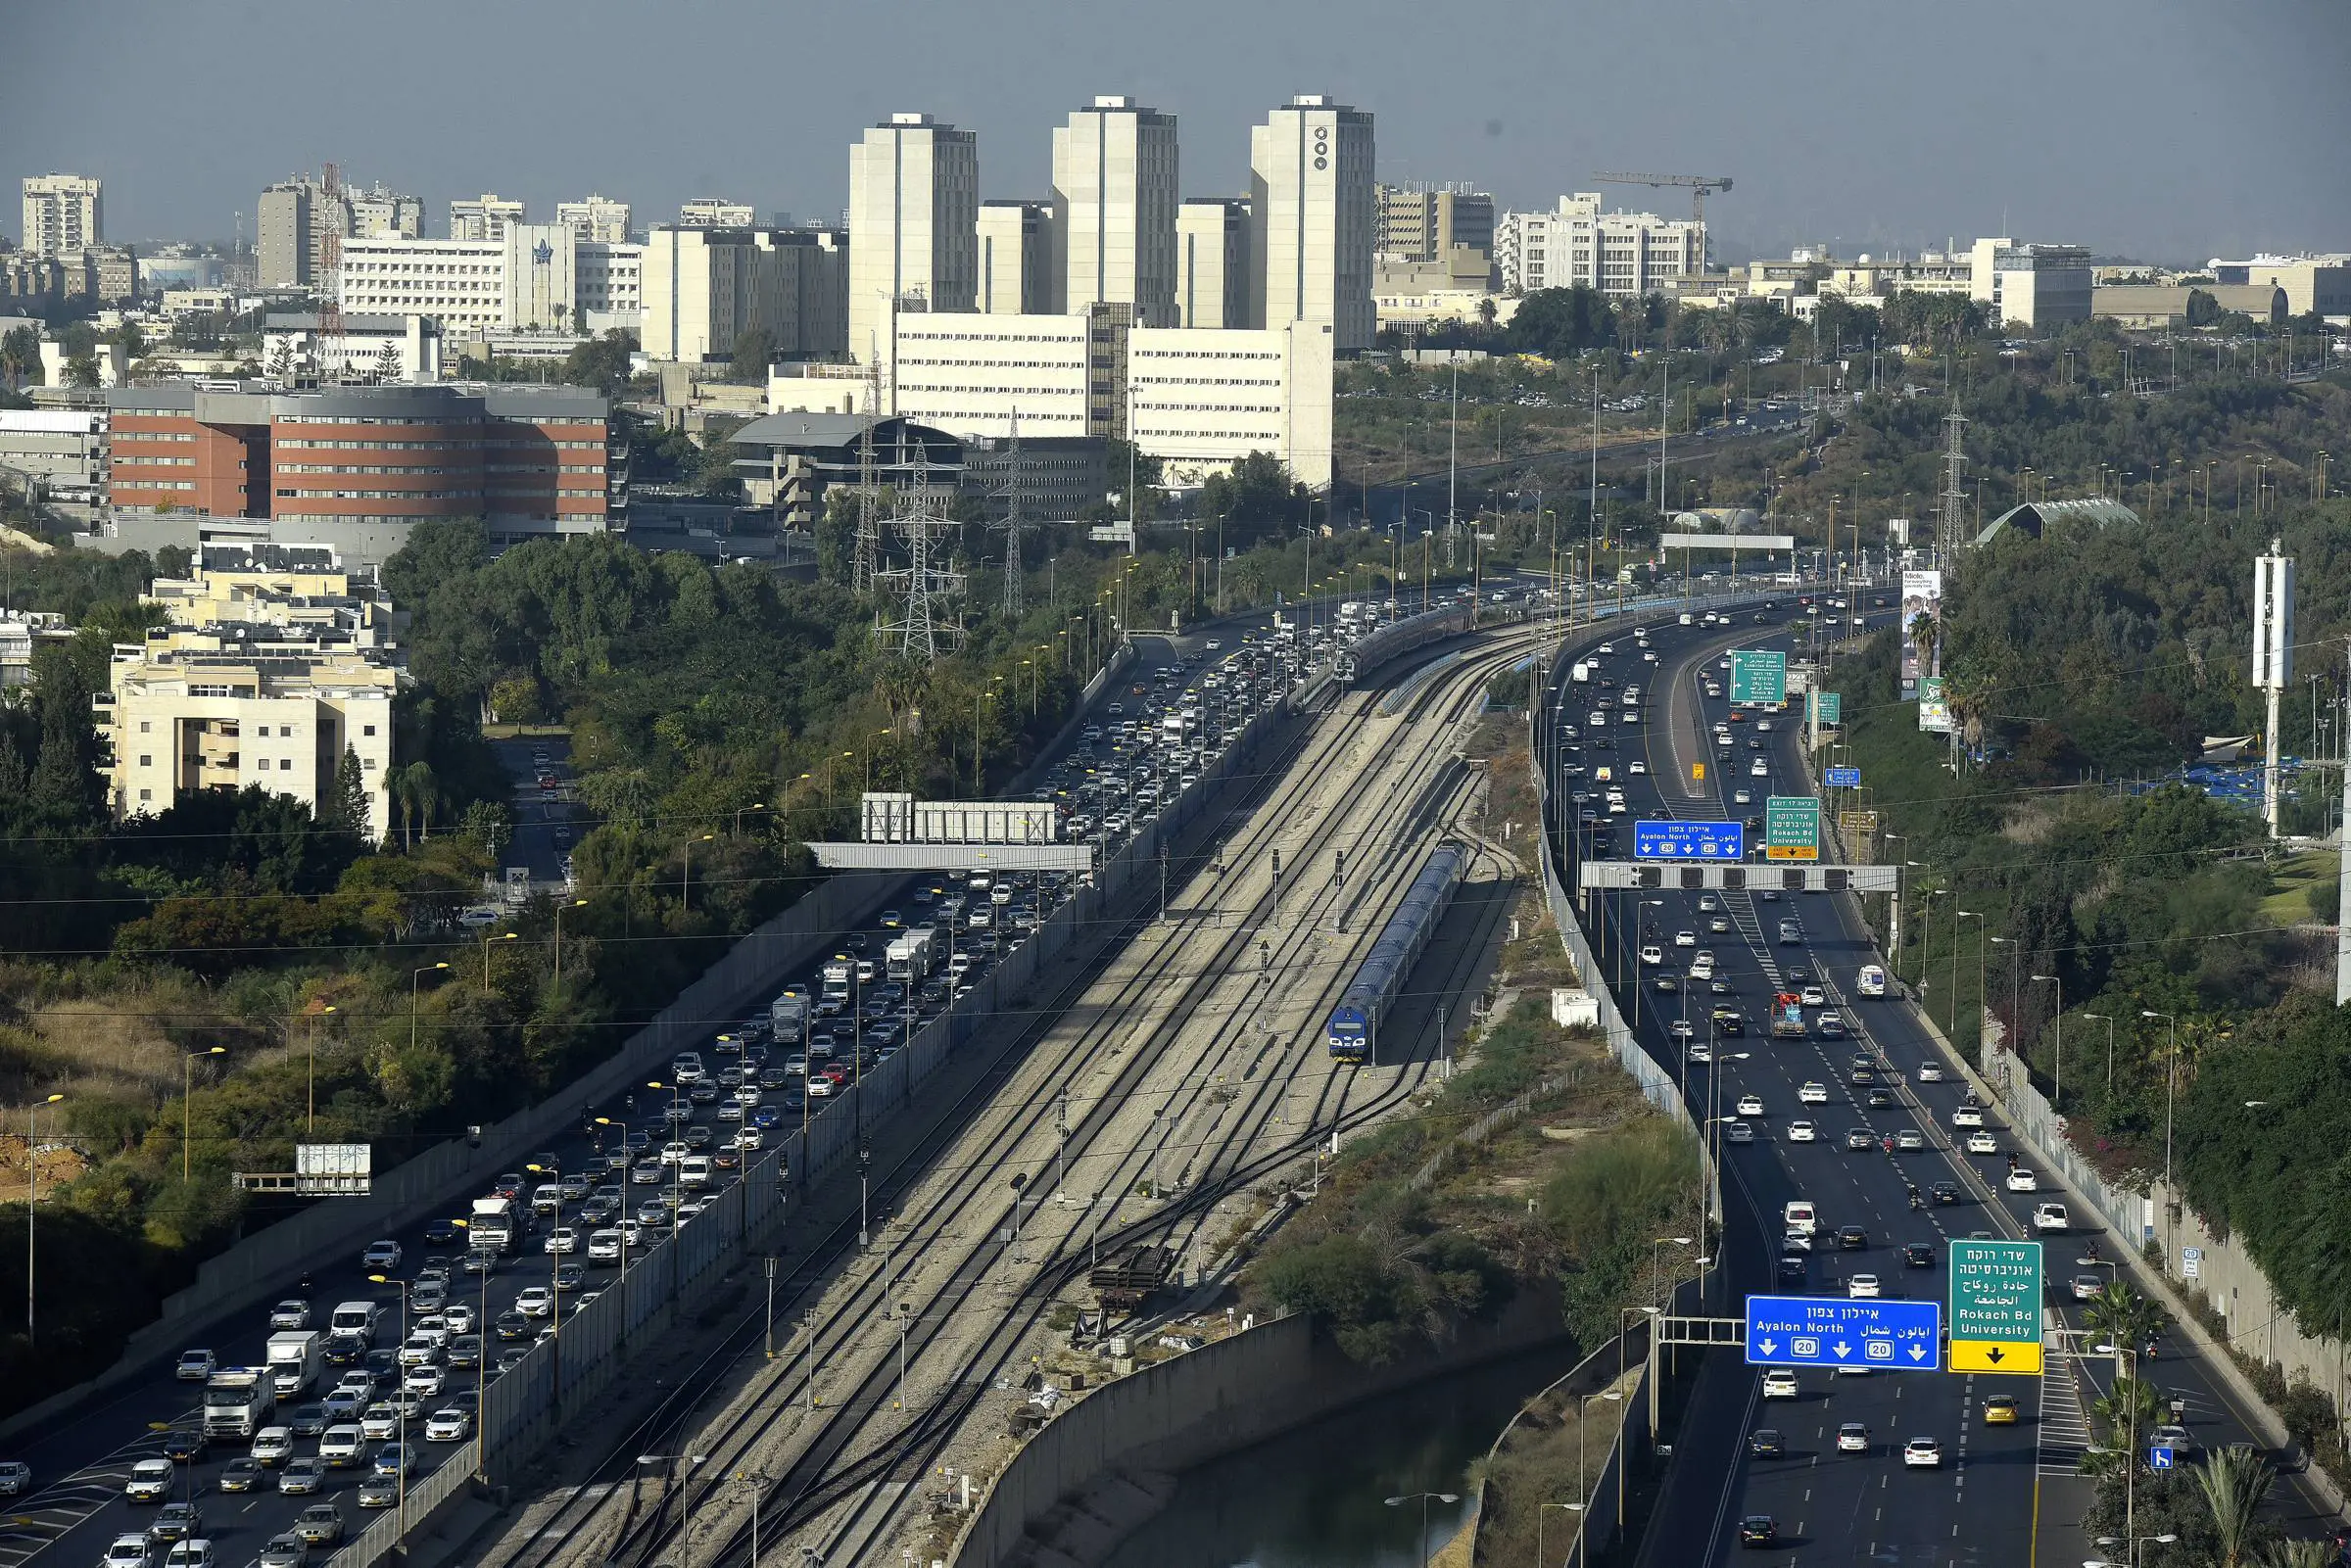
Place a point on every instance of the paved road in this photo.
(2005, 1493)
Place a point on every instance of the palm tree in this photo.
(2124, 1315)
(2235, 1481)
(2132, 1406)
(2299, 1555)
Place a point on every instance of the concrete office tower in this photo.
(63, 214)
(914, 206)
(1313, 219)
(1016, 258)
(704, 287)
(487, 216)
(1114, 210)
(283, 245)
(1212, 261)
(379, 214)
(598, 218)
(1421, 222)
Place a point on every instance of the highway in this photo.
(1191, 1065)
(2004, 1492)
(76, 1504)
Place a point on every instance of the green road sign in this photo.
(1792, 828)
(1995, 1307)
(1828, 709)
(1758, 676)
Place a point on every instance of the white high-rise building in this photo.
(1016, 258)
(541, 277)
(63, 214)
(487, 216)
(914, 204)
(703, 287)
(1212, 261)
(1114, 210)
(1314, 220)
(598, 218)
(1621, 254)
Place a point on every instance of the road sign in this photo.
(1689, 840)
(2160, 1458)
(2191, 1262)
(1828, 709)
(1995, 1307)
(1697, 773)
(1792, 828)
(1842, 778)
(1758, 676)
(1825, 1331)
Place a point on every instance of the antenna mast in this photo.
(328, 210)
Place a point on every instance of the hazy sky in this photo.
(2159, 128)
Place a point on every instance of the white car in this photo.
(1930, 1072)
(603, 1247)
(2022, 1181)
(1980, 1142)
(1813, 1093)
(1760, 770)
(126, 1551)
(381, 1256)
(1796, 1239)
(1743, 797)
(1922, 1453)
(1685, 938)
(1862, 1287)
(273, 1444)
(1682, 1030)
(1813, 996)
(2051, 1217)
(1738, 1132)
(1803, 1132)
(379, 1422)
(425, 1382)
(1967, 1115)
(1779, 1384)
(536, 1300)
(561, 1240)
(150, 1481)
(1749, 1106)
(290, 1315)
(1651, 954)
(341, 1446)
(196, 1365)
(449, 1424)
(1636, 769)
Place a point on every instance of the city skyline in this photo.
(2142, 156)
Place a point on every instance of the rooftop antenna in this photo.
(921, 520)
(1014, 521)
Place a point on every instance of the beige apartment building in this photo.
(1114, 210)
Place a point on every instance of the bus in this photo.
(1871, 981)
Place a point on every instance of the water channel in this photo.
(1315, 1498)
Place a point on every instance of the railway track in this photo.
(604, 1522)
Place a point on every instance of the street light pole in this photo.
(314, 1079)
(187, 1112)
(2171, 1075)
(413, 976)
(401, 1529)
(1965, 914)
(33, 1193)
(1423, 1498)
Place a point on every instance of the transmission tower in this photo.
(1012, 525)
(921, 520)
(1950, 530)
(865, 558)
(329, 209)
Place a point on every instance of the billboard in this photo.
(1933, 712)
(1922, 599)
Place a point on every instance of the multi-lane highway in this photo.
(1850, 1121)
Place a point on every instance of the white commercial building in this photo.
(1622, 255)
(1198, 398)
(1212, 261)
(1314, 220)
(1114, 210)
(914, 204)
(379, 212)
(703, 287)
(2031, 285)
(487, 216)
(1016, 258)
(64, 214)
(598, 218)
(380, 347)
(60, 451)
(711, 211)
(538, 277)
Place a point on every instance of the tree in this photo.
(601, 363)
(387, 363)
(82, 370)
(1259, 499)
(754, 348)
(1561, 323)
(2203, 309)
(2235, 1481)
(20, 356)
(347, 809)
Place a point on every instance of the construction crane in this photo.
(1696, 184)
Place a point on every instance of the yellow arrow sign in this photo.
(2016, 1358)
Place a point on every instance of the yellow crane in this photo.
(1696, 184)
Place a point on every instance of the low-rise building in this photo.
(374, 348)
(2031, 286)
(2312, 283)
(61, 453)
(280, 585)
(22, 633)
(531, 278)
(2160, 305)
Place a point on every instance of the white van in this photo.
(354, 1317)
(1799, 1215)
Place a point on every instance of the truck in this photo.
(238, 1402)
(836, 976)
(296, 1358)
(1786, 1016)
(908, 957)
(496, 1226)
(789, 1013)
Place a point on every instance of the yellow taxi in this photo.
(2000, 1410)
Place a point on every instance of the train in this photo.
(1353, 1030)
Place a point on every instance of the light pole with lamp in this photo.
(33, 1193)
(554, 1317)
(187, 1112)
(401, 1529)
(2137, 1542)
(560, 909)
(1583, 1485)
(1423, 1498)
(2057, 1094)
(2171, 1075)
(2100, 1018)
(1540, 1508)
(2016, 989)
(413, 976)
(487, 939)
(1894, 916)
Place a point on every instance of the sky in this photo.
(2164, 130)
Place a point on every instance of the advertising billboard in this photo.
(1922, 599)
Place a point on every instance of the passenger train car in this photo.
(1353, 1031)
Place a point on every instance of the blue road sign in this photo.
(1690, 841)
(1828, 1331)
(1842, 778)
(2159, 1459)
